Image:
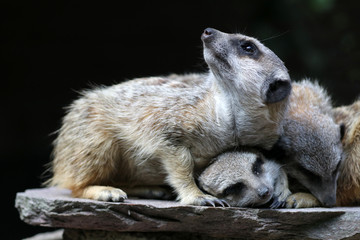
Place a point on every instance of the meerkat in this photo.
(348, 191)
(245, 178)
(311, 144)
(154, 132)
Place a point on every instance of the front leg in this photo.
(281, 190)
(179, 165)
(302, 200)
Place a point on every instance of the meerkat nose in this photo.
(208, 31)
(208, 34)
(329, 201)
(264, 192)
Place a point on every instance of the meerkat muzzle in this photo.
(209, 35)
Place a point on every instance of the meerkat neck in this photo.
(226, 106)
(239, 111)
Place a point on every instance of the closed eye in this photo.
(236, 188)
(310, 174)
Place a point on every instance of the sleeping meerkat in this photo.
(348, 192)
(312, 146)
(244, 178)
(152, 132)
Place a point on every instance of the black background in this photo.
(52, 49)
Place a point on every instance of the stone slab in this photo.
(52, 207)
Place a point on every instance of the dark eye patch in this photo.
(246, 48)
(257, 166)
(236, 188)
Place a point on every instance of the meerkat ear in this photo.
(277, 90)
(342, 131)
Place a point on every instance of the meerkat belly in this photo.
(150, 173)
(138, 172)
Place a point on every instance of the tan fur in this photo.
(348, 192)
(103, 193)
(156, 131)
(302, 200)
(307, 99)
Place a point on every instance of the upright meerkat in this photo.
(348, 192)
(151, 132)
(245, 178)
(312, 145)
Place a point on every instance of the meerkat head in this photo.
(243, 64)
(243, 178)
(315, 158)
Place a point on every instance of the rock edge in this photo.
(52, 207)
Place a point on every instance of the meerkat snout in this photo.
(208, 32)
(264, 192)
(330, 201)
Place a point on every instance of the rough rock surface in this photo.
(53, 207)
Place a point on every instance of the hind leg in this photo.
(101, 193)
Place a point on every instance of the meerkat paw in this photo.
(281, 190)
(104, 193)
(302, 200)
(205, 200)
(280, 199)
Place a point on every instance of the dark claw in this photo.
(209, 203)
(216, 203)
(219, 202)
(225, 203)
(277, 204)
